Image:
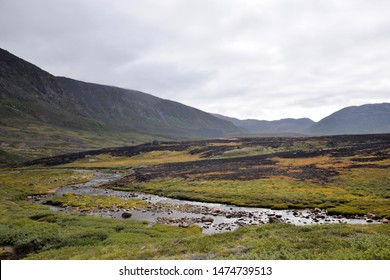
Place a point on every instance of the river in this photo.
(211, 217)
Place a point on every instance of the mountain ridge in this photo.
(108, 106)
(363, 119)
(43, 115)
(360, 119)
(287, 125)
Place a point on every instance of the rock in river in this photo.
(126, 215)
(205, 219)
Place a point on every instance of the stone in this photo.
(205, 219)
(184, 225)
(126, 215)
(371, 216)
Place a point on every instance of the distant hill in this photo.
(55, 114)
(364, 119)
(283, 126)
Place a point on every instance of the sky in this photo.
(258, 59)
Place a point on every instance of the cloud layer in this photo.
(266, 59)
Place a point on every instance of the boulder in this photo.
(317, 210)
(371, 216)
(320, 216)
(273, 220)
(205, 219)
(126, 215)
(184, 225)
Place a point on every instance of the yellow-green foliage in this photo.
(23, 182)
(368, 191)
(92, 202)
(272, 241)
(143, 159)
(247, 151)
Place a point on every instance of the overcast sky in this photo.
(264, 59)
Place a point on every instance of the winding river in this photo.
(211, 217)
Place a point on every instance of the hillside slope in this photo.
(364, 119)
(122, 110)
(41, 114)
(288, 125)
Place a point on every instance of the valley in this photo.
(90, 171)
(239, 198)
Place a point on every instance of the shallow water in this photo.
(212, 217)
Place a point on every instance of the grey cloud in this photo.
(246, 59)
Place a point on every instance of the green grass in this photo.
(23, 141)
(35, 232)
(17, 184)
(262, 242)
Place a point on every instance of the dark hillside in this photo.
(43, 115)
(365, 119)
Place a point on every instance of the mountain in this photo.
(364, 119)
(57, 114)
(123, 110)
(283, 126)
(43, 115)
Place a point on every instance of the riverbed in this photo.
(211, 217)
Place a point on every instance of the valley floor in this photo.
(345, 176)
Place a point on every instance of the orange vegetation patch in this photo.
(299, 162)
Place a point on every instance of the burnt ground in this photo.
(361, 150)
(364, 150)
